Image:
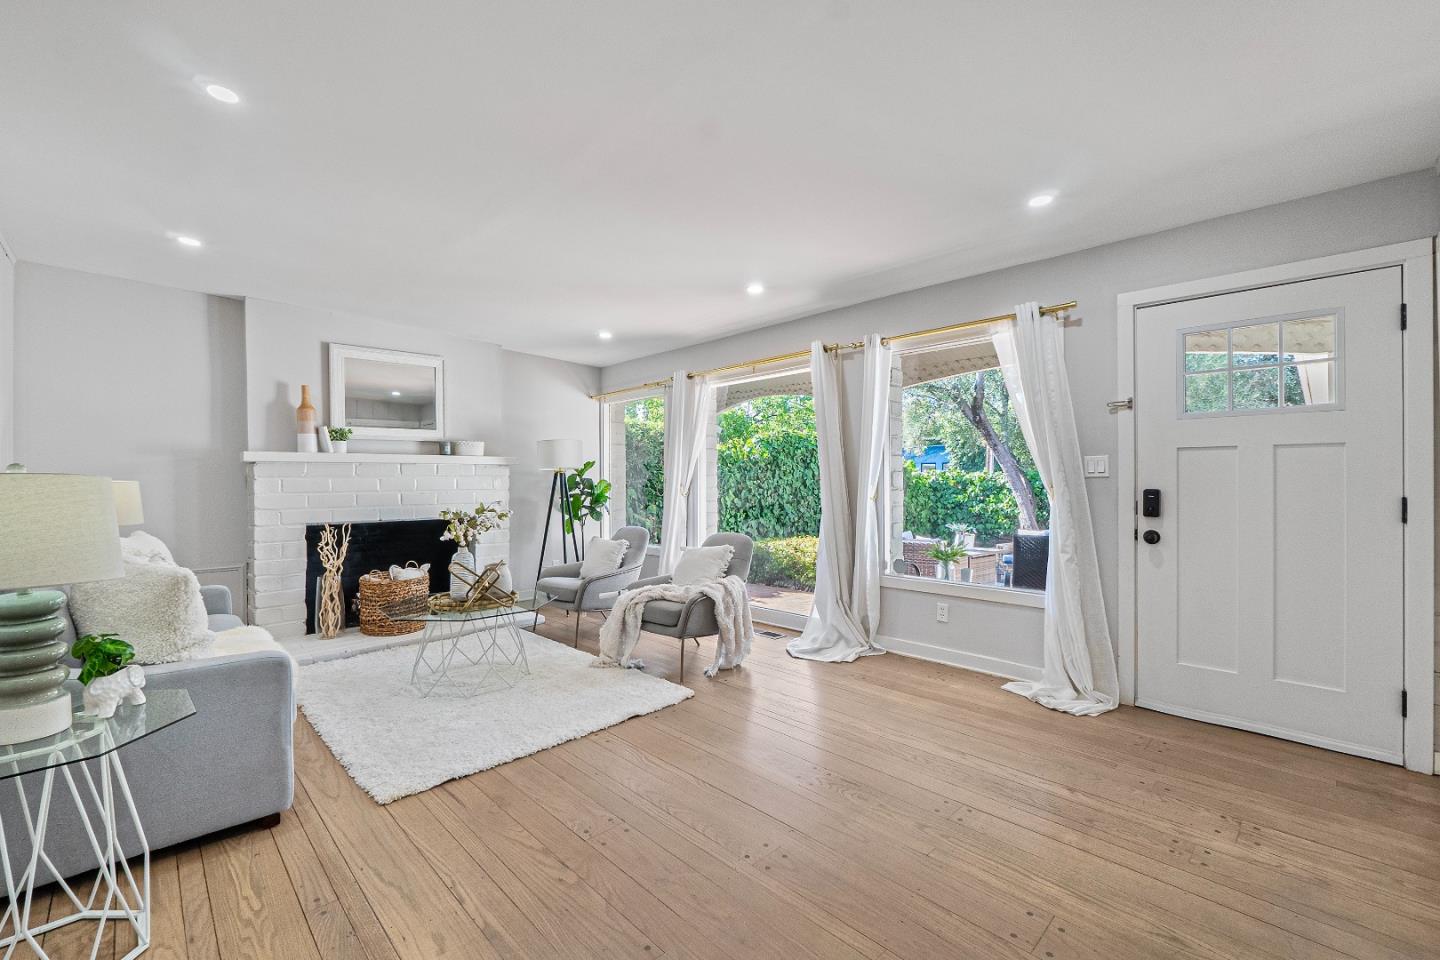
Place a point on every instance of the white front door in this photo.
(1270, 587)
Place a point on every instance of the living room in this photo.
(648, 480)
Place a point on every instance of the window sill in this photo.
(970, 591)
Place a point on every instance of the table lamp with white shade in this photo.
(58, 529)
(557, 457)
(129, 509)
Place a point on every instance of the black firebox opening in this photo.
(375, 546)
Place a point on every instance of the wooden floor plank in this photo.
(889, 809)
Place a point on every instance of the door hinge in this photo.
(1115, 406)
(1404, 509)
(1404, 703)
(1404, 315)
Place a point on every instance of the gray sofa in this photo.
(229, 764)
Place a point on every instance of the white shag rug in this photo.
(394, 742)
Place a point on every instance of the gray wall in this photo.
(544, 399)
(137, 382)
(170, 387)
(7, 358)
(285, 346)
(1369, 215)
(505, 398)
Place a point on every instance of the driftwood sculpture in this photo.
(330, 618)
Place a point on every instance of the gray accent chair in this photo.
(562, 583)
(695, 618)
(232, 763)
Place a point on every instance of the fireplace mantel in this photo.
(267, 456)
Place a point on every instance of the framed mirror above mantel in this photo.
(387, 394)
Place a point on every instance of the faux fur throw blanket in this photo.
(621, 631)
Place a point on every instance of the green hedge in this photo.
(981, 501)
(770, 485)
(785, 562)
(645, 481)
(770, 489)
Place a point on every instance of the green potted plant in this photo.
(340, 439)
(589, 499)
(945, 555)
(100, 655)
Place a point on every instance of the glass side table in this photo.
(101, 796)
(471, 650)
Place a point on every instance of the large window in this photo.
(635, 462)
(766, 472)
(973, 508)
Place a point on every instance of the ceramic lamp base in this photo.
(33, 702)
(19, 724)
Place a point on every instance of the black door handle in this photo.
(1151, 537)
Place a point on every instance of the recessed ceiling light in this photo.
(188, 241)
(605, 335)
(223, 94)
(394, 393)
(1042, 199)
(755, 288)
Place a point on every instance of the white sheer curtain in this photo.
(1079, 672)
(846, 614)
(687, 402)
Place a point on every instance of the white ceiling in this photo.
(531, 172)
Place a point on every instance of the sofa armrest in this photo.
(650, 582)
(217, 598)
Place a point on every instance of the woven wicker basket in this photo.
(377, 590)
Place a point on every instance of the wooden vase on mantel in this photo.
(305, 422)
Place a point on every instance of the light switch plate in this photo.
(1097, 466)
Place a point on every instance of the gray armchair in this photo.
(695, 618)
(562, 583)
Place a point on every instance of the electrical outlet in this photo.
(942, 613)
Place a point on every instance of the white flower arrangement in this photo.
(466, 526)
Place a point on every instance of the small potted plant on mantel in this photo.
(945, 555)
(340, 439)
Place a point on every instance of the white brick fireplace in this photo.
(291, 490)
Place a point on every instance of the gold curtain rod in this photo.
(639, 386)
(1050, 311)
(1057, 309)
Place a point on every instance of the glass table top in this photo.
(418, 610)
(91, 737)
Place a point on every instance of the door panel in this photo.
(1271, 421)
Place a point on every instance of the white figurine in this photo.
(104, 694)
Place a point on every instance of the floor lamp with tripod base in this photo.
(558, 457)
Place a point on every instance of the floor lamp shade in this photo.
(58, 529)
(559, 454)
(129, 509)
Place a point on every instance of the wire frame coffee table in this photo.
(466, 651)
(80, 765)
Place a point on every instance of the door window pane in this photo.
(1206, 393)
(1256, 389)
(1308, 384)
(1312, 338)
(1257, 343)
(1206, 350)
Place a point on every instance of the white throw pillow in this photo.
(602, 557)
(155, 607)
(702, 564)
(141, 546)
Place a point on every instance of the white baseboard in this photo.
(980, 663)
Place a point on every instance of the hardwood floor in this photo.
(888, 809)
